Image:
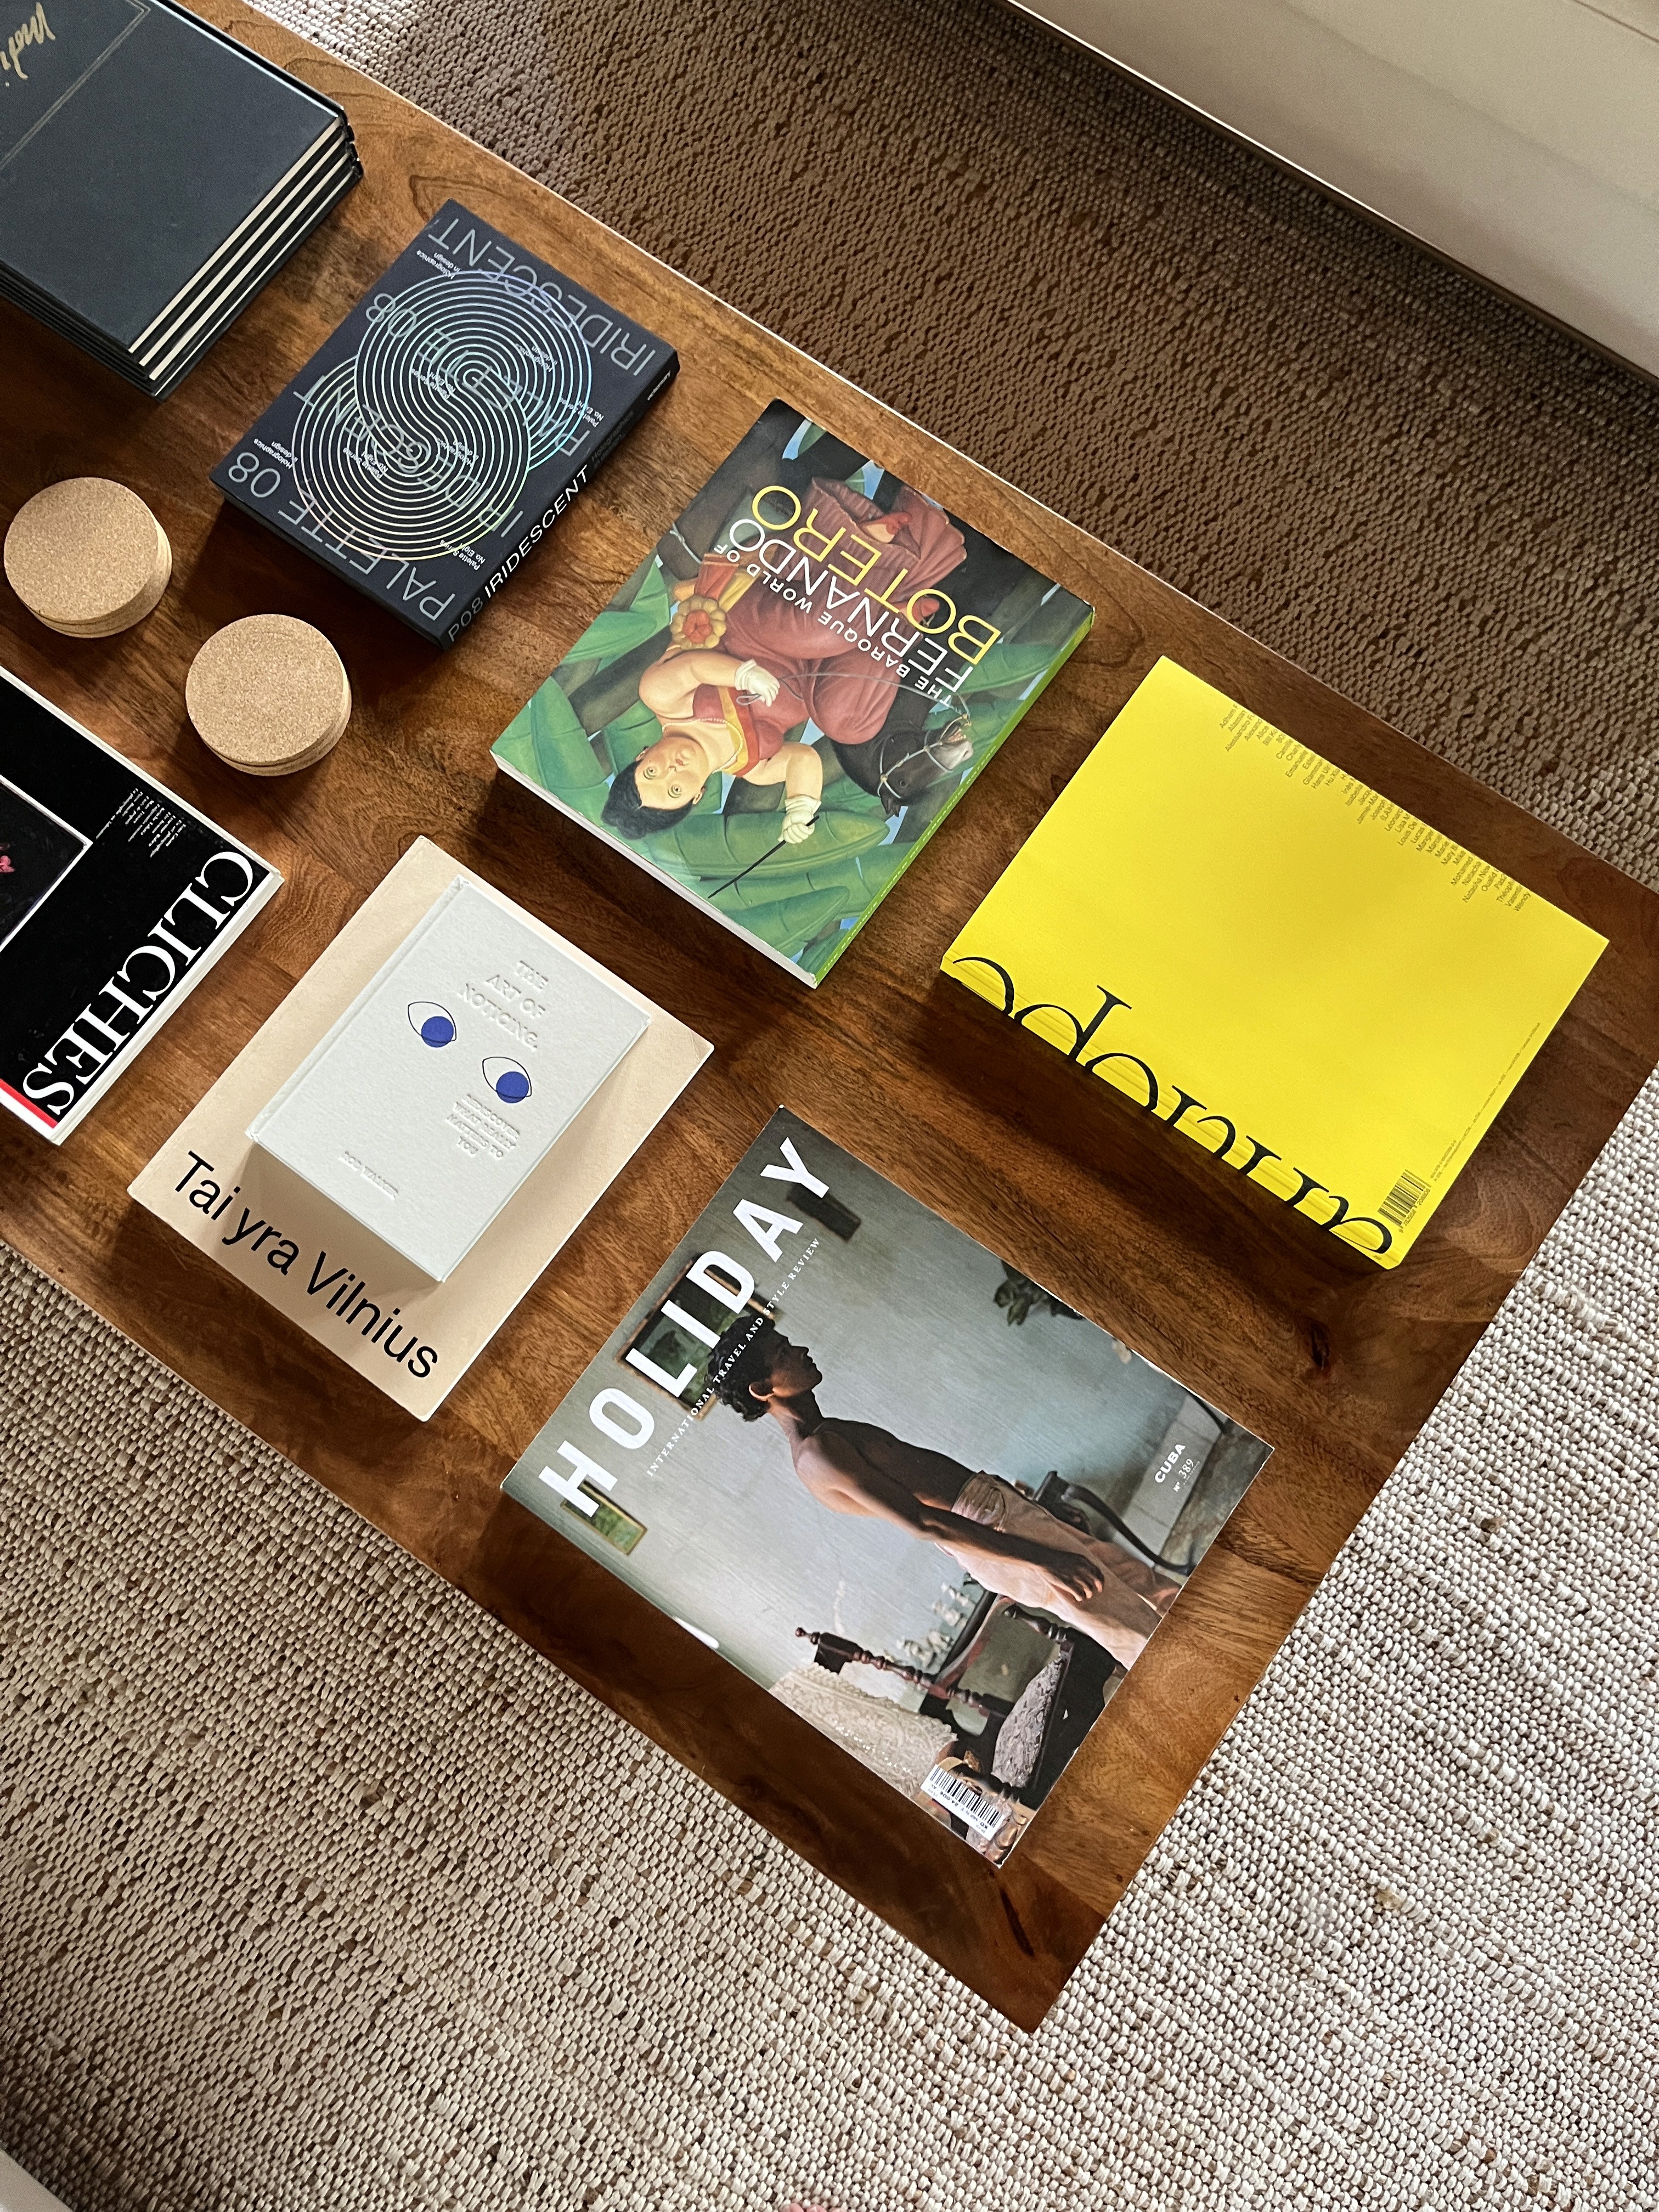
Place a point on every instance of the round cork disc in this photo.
(268, 694)
(86, 557)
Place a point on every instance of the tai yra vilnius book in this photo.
(447, 1082)
(325, 1265)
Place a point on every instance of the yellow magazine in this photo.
(1330, 995)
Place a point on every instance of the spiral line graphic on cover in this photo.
(420, 443)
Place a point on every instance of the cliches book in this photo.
(115, 900)
(932, 1511)
(785, 700)
(1332, 997)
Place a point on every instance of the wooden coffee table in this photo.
(1335, 1362)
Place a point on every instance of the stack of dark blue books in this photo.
(153, 175)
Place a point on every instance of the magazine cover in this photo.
(788, 695)
(934, 1511)
(115, 899)
(1397, 987)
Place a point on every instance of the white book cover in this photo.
(448, 1079)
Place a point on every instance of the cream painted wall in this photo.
(1517, 136)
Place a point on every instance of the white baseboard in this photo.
(1515, 137)
(18, 2193)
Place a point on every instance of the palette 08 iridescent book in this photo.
(429, 445)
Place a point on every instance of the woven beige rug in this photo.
(319, 1892)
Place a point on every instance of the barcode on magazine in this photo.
(984, 1812)
(1403, 1201)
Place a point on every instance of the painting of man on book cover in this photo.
(791, 691)
(930, 1508)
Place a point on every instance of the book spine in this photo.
(162, 380)
(577, 483)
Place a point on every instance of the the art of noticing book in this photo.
(115, 900)
(432, 442)
(788, 695)
(818, 1444)
(446, 1083)
(154, 174)
(1329, 994)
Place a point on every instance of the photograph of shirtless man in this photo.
(1005, 1540)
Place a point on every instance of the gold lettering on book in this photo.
(33, 31)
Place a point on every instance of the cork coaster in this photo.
(86, 557)
(268, 694)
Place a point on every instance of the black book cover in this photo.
(135, 141)
(179, 343)
(429, 445)
(115, 897)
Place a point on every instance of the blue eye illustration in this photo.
(431, 1024)
(509, 1082)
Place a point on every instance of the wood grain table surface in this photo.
(1336, 1363)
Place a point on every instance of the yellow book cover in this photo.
(1323, 991)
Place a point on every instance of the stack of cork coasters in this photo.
(269, 694)
(86, 557)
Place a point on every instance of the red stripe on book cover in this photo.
(28, 1105)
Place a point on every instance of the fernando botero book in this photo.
(1329, 994)
(931, 1509)
(786, 698)
(115, 900)
(434, 440)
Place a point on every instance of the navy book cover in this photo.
(115, 897)
(428, 447)
(136, 144)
